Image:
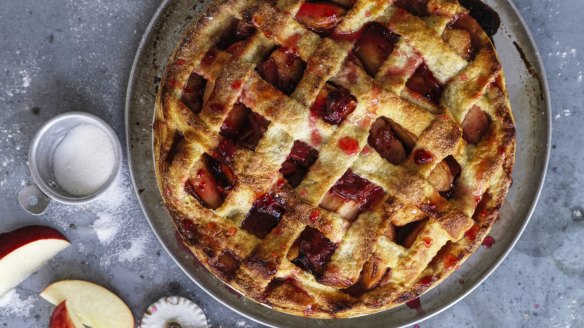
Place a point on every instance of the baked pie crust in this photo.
(333, 159)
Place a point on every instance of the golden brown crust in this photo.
(366, 249)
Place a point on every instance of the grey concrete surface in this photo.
(63, 55)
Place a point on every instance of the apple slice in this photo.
(23, 251)
(64, 317)
(96, 306)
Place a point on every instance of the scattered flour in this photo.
(14, 140)
(136, 250)
(116, 226)
(566, 112)
(242, 323)
(25, 75)
(566, 65)
(26, 79)
(567, 57)
(109, 230)
(13, 304)
(106, 227)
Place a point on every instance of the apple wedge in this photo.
(64, 317)
(23, 251)
(96, 306)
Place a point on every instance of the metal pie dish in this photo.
(529, 96)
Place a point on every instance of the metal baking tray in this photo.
(530, 101)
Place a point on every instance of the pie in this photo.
(333, 159)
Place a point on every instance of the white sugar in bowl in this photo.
(73, 159)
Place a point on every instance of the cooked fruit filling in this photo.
(283, 69)
(264, 215)
(349, 145)
(235, 37)
(321, 17)
(425, 84)
(351, 195)
(244, 126)
(333, 104)
(472, 39)
(225, 151)
(203, 188)
(176, 141)
(483, 209)
(423, 156)
(211, 182)
(192, 94)
(312, 251)
(460, 41)
(485, 16)
(372, 275)
(222, 174)
(444, 176)
(352, 187)
(391, 141)
(226, 263)
(210, 57)
(415, 7)
(406, 235)
(475, 125)
(301, 157)
(375, 44)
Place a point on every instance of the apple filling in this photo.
(234, 38)
(283, 69)
(475, 125)
(425, 85)
(226, 263)
(390, 140)
(300, 159)
(460, 41)
(210, 182)
(264, 215)
(415, 7)
(333, 104)
(320, 17)
(444, 175)
(193, 93)
(351, 195)
(311, 251)
(373, 47)
(463, 35)
(407, 234)
(484, 15)
(244, 126)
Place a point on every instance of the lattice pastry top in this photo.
(332, 159)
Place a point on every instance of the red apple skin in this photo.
(15, 239)
(60, 317)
